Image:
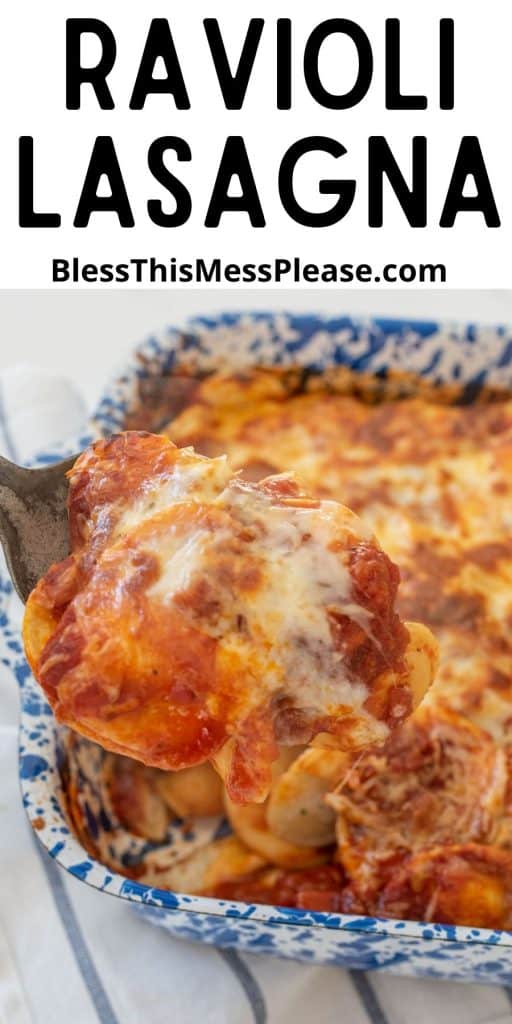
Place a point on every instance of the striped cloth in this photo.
(69, 953)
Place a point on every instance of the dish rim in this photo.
(68, 851)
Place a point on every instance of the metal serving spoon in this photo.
(33, 520)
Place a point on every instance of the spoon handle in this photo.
(13, 513)
(10, 474)
(33, 520)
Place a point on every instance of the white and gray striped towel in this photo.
(69, 953)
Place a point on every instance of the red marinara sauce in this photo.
(318, 888)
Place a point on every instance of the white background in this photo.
(87, 335)
(32, 65)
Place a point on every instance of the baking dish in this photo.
(468, 357)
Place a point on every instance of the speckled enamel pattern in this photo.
(468, 355)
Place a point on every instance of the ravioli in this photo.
(203, 617)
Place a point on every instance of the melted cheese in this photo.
(198, 612)
(286, 628)
(192, 477)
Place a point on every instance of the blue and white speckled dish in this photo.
(470, 356)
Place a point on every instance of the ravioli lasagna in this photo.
(416, 824)
(203, 617)
(420, 825)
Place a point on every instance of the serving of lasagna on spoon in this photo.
(201, 617)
